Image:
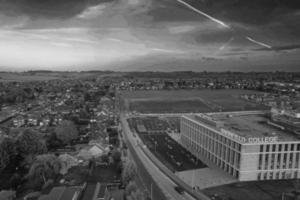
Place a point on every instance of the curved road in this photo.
(165, 184)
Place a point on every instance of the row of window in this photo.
(217, 148)
(279, 147)
(277, 175)
(279, 161)
(228, 161)
(204, 135)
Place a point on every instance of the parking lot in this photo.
(152, 131)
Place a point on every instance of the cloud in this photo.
(92, 12)
(166, 50)
(47, 8)
(250, 12)
(181, 29)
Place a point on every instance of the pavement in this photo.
(205, 178)
(144, 178)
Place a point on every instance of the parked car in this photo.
(179, 189)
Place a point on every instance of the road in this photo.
(143, 175)
(163, 182)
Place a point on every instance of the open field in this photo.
(262, 190)
(42, 76)
(177, 101)
(166, 149)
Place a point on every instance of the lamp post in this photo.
(155, 143)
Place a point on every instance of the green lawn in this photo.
(189, 101)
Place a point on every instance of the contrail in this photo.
(204, 14)
(226, 44)
(222, 24)
(259, 43)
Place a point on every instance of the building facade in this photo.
(245, 158)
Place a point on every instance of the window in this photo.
(274, 147)
(271, 175)
(279, 161)
(261, 148)
(292, 147)
(265, 176)
(260, 162)
(277, 175)
(286, 147)
(259, 176)
(297, 160)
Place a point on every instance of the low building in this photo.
(113, 192)
(63, 193)
(7, 195)
(287, 118)
(19, 121)
(244, 145)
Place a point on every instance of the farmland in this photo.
(41, 76)
(165, 148)
(181, 101)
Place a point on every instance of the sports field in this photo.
(181, 101)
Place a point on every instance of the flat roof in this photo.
(247, 125)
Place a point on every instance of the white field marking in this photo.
(259, 43)
(204, 14)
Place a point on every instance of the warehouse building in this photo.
(247, 146)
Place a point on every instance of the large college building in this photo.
(247, 146)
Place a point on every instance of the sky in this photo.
(166, 35)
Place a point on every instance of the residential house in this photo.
(19, 121)
(113, 192)
(7, 195)
(63, 193)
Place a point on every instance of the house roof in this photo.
(61, 193)
(96, 150)
(115, 195)
(7, 194)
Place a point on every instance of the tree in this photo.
(7, 151)
(30, 143)
(15, 181)
(43, 168)
(66, 132)
(104, 158)
(133, 193)
(4, 157)
(67, 161)
(9, 144)
(129, 172)
(116, 155)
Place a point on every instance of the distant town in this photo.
(103, 135)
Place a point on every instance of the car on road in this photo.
(179, 189)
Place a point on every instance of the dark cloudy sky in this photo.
(150, 34)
